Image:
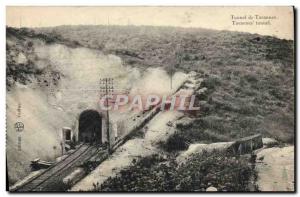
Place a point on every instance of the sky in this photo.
(273, 21)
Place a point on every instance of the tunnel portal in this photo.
(90, 127)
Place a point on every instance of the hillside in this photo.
(249, 82)
(250, 78)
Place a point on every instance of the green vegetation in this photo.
(243, 105)
(250, 78)
(154, 173)
(21, 57)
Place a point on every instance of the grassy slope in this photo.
(250, 89)
(250, 78)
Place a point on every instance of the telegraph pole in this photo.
(107, 89)
(107, 115)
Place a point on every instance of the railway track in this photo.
(51, 179)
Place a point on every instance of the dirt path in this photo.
(276, 170)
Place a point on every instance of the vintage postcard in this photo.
(150, 99)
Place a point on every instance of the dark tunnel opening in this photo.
(90, 127)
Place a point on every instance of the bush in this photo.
(175, 142)
(219, 170)
(211, 82)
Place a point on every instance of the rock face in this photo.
(241, 146)
(198, 148)
(269, 142)
(211, 189)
